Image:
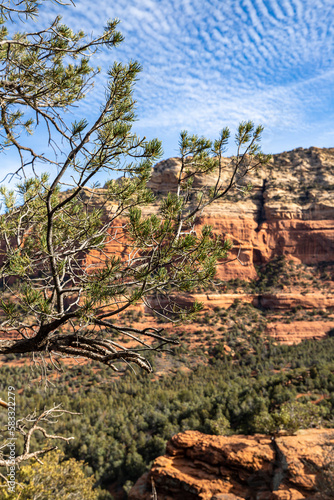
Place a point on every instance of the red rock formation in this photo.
(201, 467)
(277, 301)
(309, 242)
(296, 331)
(290, 210)
(285, 301)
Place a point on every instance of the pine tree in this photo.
(53, 302)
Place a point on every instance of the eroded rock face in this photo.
(290, 210)
(203, 467)
(298, 184)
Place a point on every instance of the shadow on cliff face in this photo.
(325, 477)
(258, 258)
(261, 215)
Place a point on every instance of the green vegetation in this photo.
(54, 479)
(126, 422)
(56, 302)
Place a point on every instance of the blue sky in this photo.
(212, 63)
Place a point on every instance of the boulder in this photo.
(202, 467)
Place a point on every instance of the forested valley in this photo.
(125, 421)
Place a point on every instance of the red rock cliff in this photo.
(290, 210)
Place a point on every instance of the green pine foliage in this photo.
(54, 302)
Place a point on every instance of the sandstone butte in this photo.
(290, 212)
(202, 467)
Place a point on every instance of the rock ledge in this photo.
(259, 467)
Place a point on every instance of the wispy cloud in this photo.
(208, 63)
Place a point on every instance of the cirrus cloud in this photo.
(211, 63)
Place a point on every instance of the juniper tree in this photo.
(55, 301)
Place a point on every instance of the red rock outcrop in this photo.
(290, 211)
(308, 242)
(292, 332)
(296, 331)
(277, 301)
(201, 467)
(285, 301)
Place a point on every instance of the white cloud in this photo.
(207, 63)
